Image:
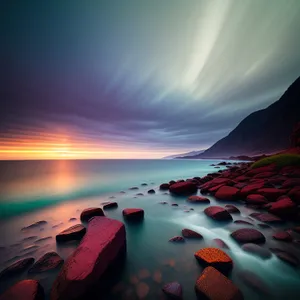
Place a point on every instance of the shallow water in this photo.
(56, 191)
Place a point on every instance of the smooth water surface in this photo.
(56, 191)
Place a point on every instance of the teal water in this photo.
(55, 191)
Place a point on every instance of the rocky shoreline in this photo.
(272, 191)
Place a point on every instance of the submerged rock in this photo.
(216, 258)
(248, 235)
(257, 250)
(173, 290)
(198, 199)
(177, 239)
(24, 290)
(242, 222)
(191, 234)
(256, 199)
(104, 241)
(88, 213)
(218, 213)
(34, 225)
(183, 188)
(133, 214)
(151, 191)
(232, 209)
(255, 283)
(286, 256)
(47, 262)
(164, 186)
(214, 285)
(283, 236)
(267, 218)
(41, 240)
(75, 232)
(110, 205)
(17, 267)
(219, 243)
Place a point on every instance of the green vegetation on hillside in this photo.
(280, 160)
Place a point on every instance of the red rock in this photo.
(256, 199)
(285, 256)
(191, 234)
(267, 218)
(214, 285)
(198, 199)
(24, 290)
(177, 239)
(240, 185)
(283, 236)
(284, 207)
(241, 178)
(75, 232)
(257, 250)
(173, 290)
(47, 262)
(220, 243)
(253, 172)
(216, 258)
(183, 188)
(251, 189)
(291, 183)
(242, 222)
(133, 214)
(218, 213)
(265, 175)
(88, 213)
(271, 193)
(16, 268)
(232, 209)
(109, 205)
(104, 241)
(248, 235)
(142, 290)
(164, 186)
(227, 193)
(294, 194)
(214, 189)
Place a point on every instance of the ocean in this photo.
(56, 191)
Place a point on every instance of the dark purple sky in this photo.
(159, 77)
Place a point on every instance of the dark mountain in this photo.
(183, 155)
(264, 131)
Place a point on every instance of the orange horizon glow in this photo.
(45, 146)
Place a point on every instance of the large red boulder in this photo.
(103, 243)
(272, 194)
(133, 214)
(88, 213)
(213, 285)
(218, 213)
(284, 207)
(227, 193)
(24, 290)
(248, 235)
(256, 199)
(251, 189)
(183, 188)
(214, 257)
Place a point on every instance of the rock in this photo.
(177, 239)
(269, 168)
(213, 285)
(47, 262)
(29, 248)
(242, 222)
(285, 256)
(183, 188)
(248, 235)
(24, 290)
(133, 214)
(232, 209)
(265, 226)
(173, 290)
(218, 213)
(41, 240)
(265, 175)
(251, 189)
(75, 232)
(255, 282)
(164, 186)
(294, 194)
(227, 193)
(57, 225)
(30, 238)
(134, 188)
(16, 268)
(267, 218)
(191, 234)
(34, 225)
(256, 199)
(138, 194)
(284, 207)
(198, 199)
(291, 183)
(144, 184)
(257, 250)
(88, 213)
(142, 290)
(103, 243)
(172, 182)
(72, 219)
(163, 202)
(216, 258)
(219, 243)
(151, 191)
(283, 236)
(271, 193)
(174, 204)
(110, 205)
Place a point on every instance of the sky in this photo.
(138, 79)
